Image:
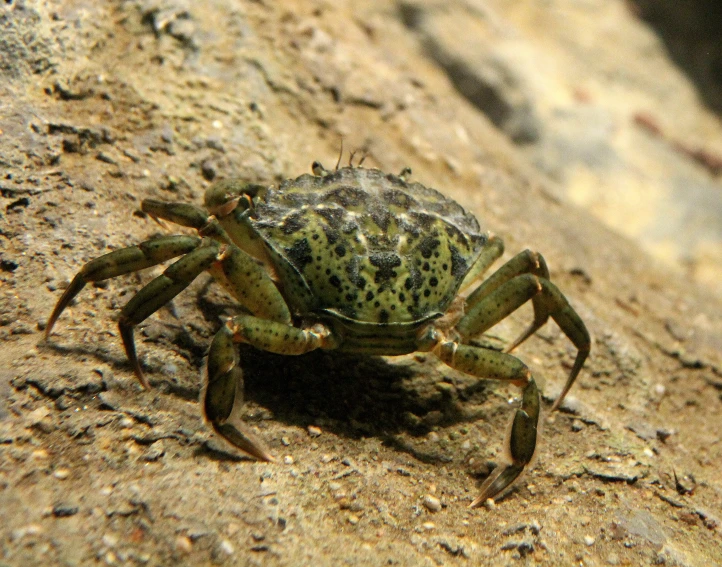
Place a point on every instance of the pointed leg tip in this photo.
(50, 325)
(498, 483)
(143, 381)
(560, 400)
(478, 501)
(138, 371)
(241, 439)
(258, 451)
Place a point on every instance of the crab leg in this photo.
(183, 214)
(223, 396)
(485, 363)
(229, 202)
(493, 249)
(548, 301)
(246, 280)
(124, 261)
(160, 291)
(526, 262)
(186, 215)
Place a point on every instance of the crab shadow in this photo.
(353, 396)
(360, 396)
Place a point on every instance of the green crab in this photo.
(354, 260)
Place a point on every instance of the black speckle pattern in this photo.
(300, 253)
(385, 262)
(366, 245)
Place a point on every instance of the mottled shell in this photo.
(366, 246)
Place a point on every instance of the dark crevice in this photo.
(692, 33)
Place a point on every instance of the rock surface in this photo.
(104, 104)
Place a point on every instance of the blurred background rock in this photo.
(617, 103)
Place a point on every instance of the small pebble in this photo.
(432, 503)
(288, 460)
(29, 530)
(184, 544)
(664, 434)
(325, 458)
(226, 547)
(428, 526)
(215, 143)
(285, 441)
(314, 431)
(170, 369)
(61, 474)
(208, 169)
(64, 510)
(353, 520)
(36, 416)
(154, 452)
(167, 134)
(589, 540)
(612, 559)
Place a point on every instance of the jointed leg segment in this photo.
(241, 274)
(485, 363)
(525, 277)
(160, 291)
(120, 262)
(491, 252)
(223, 397)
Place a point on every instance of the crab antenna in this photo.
(340, 154)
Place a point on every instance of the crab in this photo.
(353, 260)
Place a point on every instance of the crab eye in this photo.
(318, 169)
